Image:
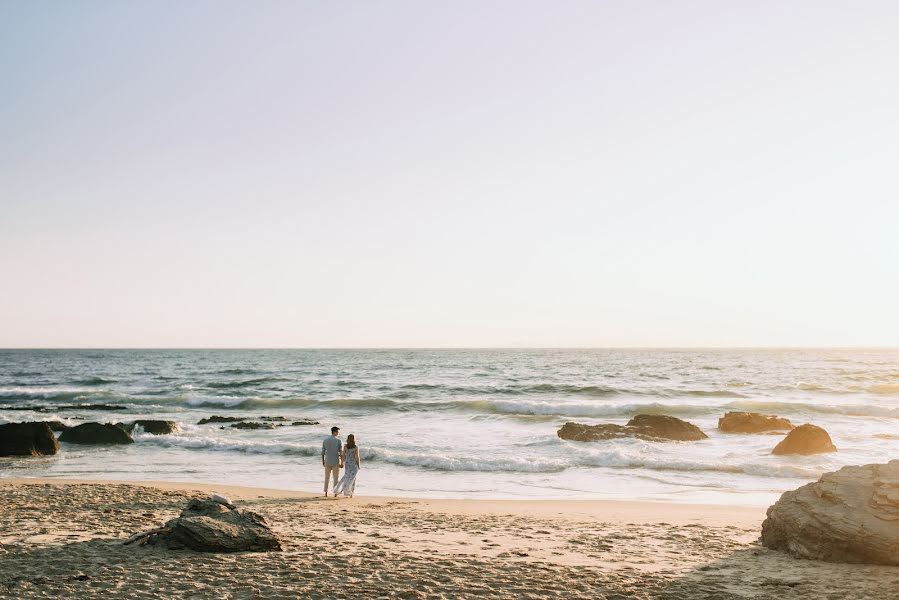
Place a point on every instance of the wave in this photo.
(581, 390)
(620, 458)
(93, 381)
(885, 389)
(629, 456)
(447, 462)
(270, 403)
(568, 409)
(849, 410)
(227, 445)
(245, 383)
(55, 394)
(709, 393)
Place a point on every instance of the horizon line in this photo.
(314, 348)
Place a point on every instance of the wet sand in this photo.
(63, 538)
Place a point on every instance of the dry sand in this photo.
(63, 539)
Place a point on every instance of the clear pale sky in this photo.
(312, 174)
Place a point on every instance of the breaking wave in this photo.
(626, 456)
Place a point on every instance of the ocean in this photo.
(460, 423)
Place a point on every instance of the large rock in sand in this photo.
(96, 433)
(652, 428)
(805, 439)
(207, 526)
(27, 439)
(850, 516)
(750, 422)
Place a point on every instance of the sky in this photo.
(449, 174)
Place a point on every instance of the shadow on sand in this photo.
(760, 573)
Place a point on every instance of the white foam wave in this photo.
(449, 462)
(585, 409)
(200, 442)
(850, 410)
(629, 454)
(636, 457)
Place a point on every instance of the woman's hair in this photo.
(351, 441)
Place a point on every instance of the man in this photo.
(331, 448)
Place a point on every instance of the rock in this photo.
(805, 439)
(670, 428)
(851, 515)
(96, 433)
(156, 427)
(57, 425)
(207, 526)
(652, 428)
(750, 422)
(254, 425)
(259, 422)
(306, 422)
(27, 439)
(218, 419)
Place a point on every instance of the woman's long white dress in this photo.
(347, 484)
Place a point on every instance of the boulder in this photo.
(750, 422)
(306, 422)
(27, 439)
(652, 428)
(218, 419)
(805, 439)
(96, 433)
(57, 425)
(207, 526)
(156, 427)
(851, 516)
(254, 425)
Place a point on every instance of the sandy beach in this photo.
(63, 538)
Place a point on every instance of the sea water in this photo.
(460, 423)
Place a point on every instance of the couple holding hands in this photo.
(335, 457)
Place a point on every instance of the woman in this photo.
(350, 459)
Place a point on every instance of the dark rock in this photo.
(750, 422)
(156, 427)
(57, 425)
(669, 428)
(851, 516)
(272, 418)
(652, 428)
(306, 422)
(207, 526)
(96, 433)
(805, 439)
(218, 419)
(27, 439)
(254, 425)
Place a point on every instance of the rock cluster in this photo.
(851, 515)
(750, 422)
(27, 439)
(805, 439)
(645, 427)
